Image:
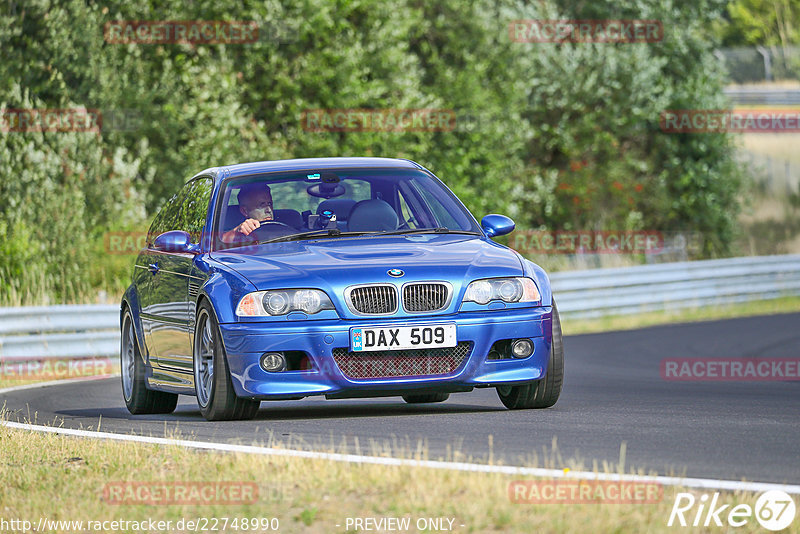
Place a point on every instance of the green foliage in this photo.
(597, 158)
(761, 22)
(60, 190)
(555, 135)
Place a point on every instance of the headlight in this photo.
(283, 301)
(505, 289)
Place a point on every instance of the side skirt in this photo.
(170, 381)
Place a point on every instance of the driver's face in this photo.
(257, 206)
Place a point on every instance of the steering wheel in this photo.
(270, 229)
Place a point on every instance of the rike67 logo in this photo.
(774, 510)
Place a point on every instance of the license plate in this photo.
(402, 337)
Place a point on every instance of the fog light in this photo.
(274, 362)
(522, 348)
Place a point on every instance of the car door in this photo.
(148, 276)
(174, 287)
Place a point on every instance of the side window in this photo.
(165, 219)
(194, 207)
(419, 214)
(406, 213)
(444, 217)
(186, 211)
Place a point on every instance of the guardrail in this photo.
(763, 96)
(670, 286)
(69, 332)
(66, 332)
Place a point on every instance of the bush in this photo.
(557, 135)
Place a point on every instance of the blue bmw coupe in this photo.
(343, 277)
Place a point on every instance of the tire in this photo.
(212, 378)
(544, 392)
(139, 399)
(426, 397)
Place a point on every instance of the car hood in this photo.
(335, 263)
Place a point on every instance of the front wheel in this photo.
(139, 399)
(544, 392)
(212, 377)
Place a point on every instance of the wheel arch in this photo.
(130, 301)
(204, 297)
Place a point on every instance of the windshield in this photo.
(339, 202)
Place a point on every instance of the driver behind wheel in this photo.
(255, 204)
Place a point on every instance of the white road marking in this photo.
(698, 483)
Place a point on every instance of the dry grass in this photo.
(777, 145)
(770, 221)
(59, 477)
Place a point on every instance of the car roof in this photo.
(259, 167)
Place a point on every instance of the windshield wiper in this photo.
(324, 232)
(439, 230)
(335, 232)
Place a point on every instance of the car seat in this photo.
(372, 215)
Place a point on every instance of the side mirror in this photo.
(495, 225)
(176, 241)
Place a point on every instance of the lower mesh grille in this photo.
(392, 363)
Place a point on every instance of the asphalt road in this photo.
(613, 393)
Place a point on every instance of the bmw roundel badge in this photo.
(397, 273)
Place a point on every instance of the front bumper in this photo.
(246, 342)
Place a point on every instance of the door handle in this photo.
(153, 268)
